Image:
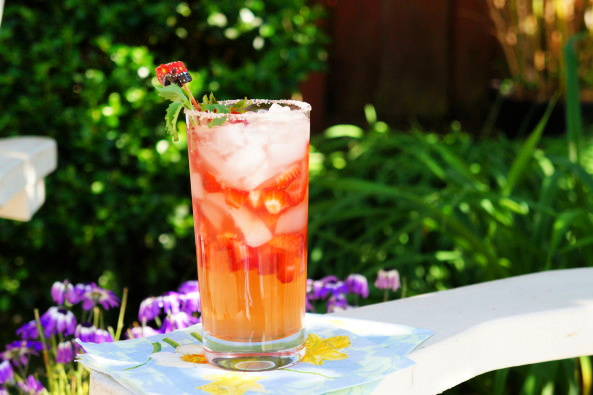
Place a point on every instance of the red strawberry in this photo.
(230, 249)
(210, 184)
(287, 271)
(297, 190)
(235, 197)
(289, 255)
(291, 242)
(255, 198)
(284, 179)
(268, 261)
(275, 200)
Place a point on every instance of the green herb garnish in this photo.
(209, 103)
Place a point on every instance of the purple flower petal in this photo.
(18, 352)
(86, 332)
(388, 280)
(28, 331)
(102, 336)
(58, 320)
(357, 284)
(190, 302)
(141, 331)
(94, 295)
(170, 302)
(31, 385)
(61, 291)
(178, 320)
(337, 303)
(188, 286)
(65, 352)
(6, 372)
(149, 309)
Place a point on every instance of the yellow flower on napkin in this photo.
(232, 384)
(320, 350)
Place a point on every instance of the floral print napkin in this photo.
(343, 356)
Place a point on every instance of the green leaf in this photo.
(219, 108)
(217, 122)
(574, 121)
(240, 106)
(520, 164)
(196, 335)
(156, 347)
(174, 93)
(171, 119)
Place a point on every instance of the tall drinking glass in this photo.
(249, 185)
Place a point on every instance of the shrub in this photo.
(118, 207)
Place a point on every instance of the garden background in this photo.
(448, 141)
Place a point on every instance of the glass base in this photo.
(254, 356)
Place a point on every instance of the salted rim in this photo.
(302, 107)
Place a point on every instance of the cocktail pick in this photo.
(176, 72)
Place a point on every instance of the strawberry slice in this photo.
(287, 271)
(255, 199)
(235, 197)
(288, 253)
(297, 190)
(210, 184)
(290, 242)
(230, 249)
(268, 261)
(275, 200)
(284, 179)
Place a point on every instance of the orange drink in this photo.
(249, 183)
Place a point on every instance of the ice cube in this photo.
(197, 189)
(261, 174)
(212, 159)
(227, 139)
(293, 219)
(283, 154)
(213, 207)
(254, 230)
(241, 164)
(277, 108)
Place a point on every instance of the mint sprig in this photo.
(174, 93)
(209, 103)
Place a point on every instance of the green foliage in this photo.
(118, 207)
(446, 210)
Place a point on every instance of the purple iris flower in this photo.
(65, 352)
(31, 385)
(3, 391)
(141, 331)
(94, 295)
(337, 303)
(58, 320)
(28, 331)
(190, 302)
(188, 286)
(170, 302)
(388, 279)
(77, 293)
(6, 372)
(178, 320)
(102, 336)
(86, 332)
(357, 284)
(149, 309)
(18, 351)
(62, 291)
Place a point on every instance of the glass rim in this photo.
(301, 107)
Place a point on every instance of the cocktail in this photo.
(249, 185)
(248, 164)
